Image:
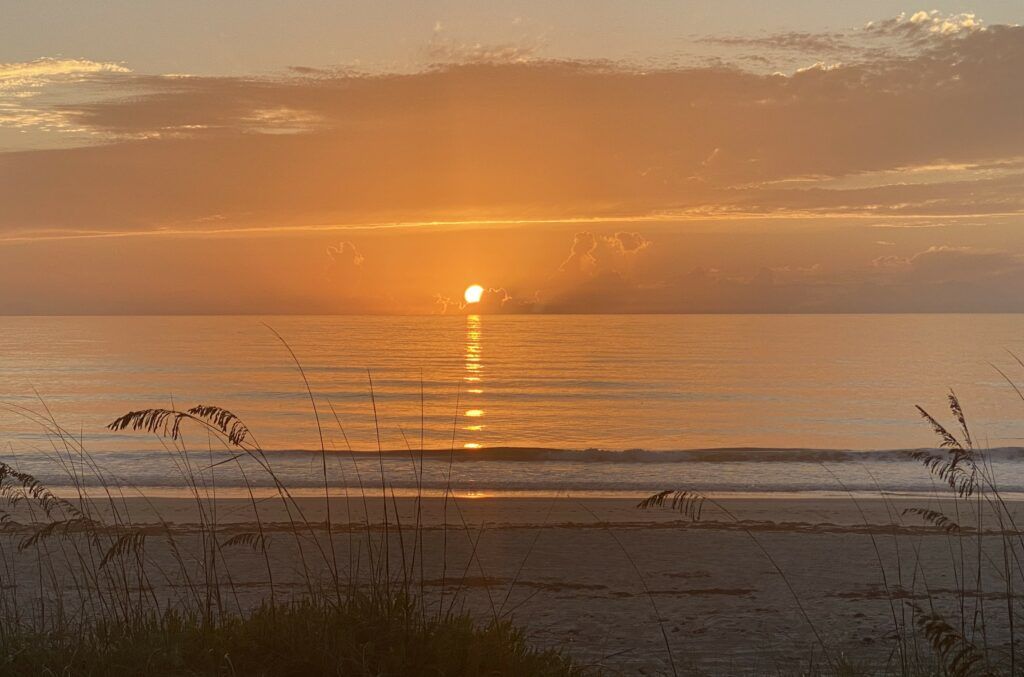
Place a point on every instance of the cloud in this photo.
(943, 278)
(896, 37)
(936, 278)
(31, 92)
(345, 267)
(442, 304)
(485, 137)
(345, 255)
(951, 263)
(627, 243)
(26, 78)
(792, 273)
(446, 50)
(820, 66)
(927, 24)
(493, 301)
(499, 301)
(592, 254)
(698, 291)
(797, 41)
(890, 261)
(581, 256)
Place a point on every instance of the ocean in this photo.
(532, 405)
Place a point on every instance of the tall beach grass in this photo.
(94, 580)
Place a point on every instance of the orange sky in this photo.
(883, 175)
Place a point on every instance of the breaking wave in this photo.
(712, 455)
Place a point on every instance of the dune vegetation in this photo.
(974, 630)
(87, 588)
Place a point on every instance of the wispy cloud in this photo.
(445, 48)
(926, 24)
(34, 95)
(792, 51)
(448, 50)
(26, 78)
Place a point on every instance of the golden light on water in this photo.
(473, 367)
(473, 293)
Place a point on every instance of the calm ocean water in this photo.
(596, 403)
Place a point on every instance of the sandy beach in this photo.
(602, 579)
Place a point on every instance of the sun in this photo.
(473, 293)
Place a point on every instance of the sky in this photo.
(602, 157)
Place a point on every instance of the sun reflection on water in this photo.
(473, 369)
